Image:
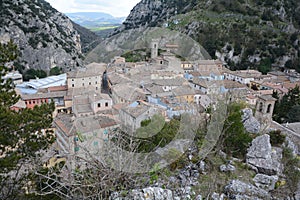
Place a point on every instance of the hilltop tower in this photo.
(154, 48)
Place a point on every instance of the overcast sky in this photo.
(117, 8)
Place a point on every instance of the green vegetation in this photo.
(277, 138)
(251, 28)
(56, 71)
(265, 66)
(214, 180)
(287, 109)
(33, 74)
(162, 138)
(101, 28)
(136, 55)
(291, 165)
(21, 133)
(235, 140)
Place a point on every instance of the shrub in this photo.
(235, 139)
(291, 169)
(55, 71)
(276, 138)
(32, 74)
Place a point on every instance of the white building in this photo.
(242, 76)
(15, 76)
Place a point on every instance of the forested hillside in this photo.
(244, 33)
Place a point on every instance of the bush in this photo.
(55, 71)
(291, 170)
(32, 74)
(276, 138)
(236, 139)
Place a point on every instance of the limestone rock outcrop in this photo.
(45, 37)
(237, 189)
(262, 157)
(251, 124)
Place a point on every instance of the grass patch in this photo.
(214, 180)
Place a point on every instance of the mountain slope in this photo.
(244, 33)
(46, 38)
(88, 39)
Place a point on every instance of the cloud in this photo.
(117, 8)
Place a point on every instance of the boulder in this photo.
(265, 182)
(189, 175)
(251, 124)
(237, 189)
(146, 194)
(202, 166)
(227, 168)
(217, 196)
(263, 157)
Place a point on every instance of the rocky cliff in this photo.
(257, 34)
(46, 38)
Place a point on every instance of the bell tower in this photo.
(264, 108)
(154, 48)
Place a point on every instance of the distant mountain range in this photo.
(95, 20)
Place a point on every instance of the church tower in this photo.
(154, 48)
(264, 108)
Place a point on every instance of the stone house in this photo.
(91, 103)
(89, 77)
(169, 84)
(82, 138)
(127, 93)
(132, 115)
(184, 94)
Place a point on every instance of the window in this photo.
(260, 107)
(99, 105)
(96, 82)
(269, 108)
(90, 83)
(72, 79)
(33, 102)
(82, 84)
(106, 104)
(72, 85)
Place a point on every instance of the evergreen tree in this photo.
(23, 134)
(235, 139)
(286, 109)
